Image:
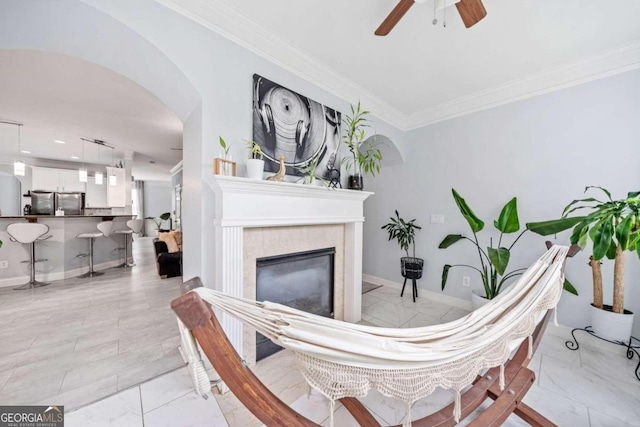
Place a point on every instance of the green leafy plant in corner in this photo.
(365, 153)
(614, 228)
(493, 260)
(402, 231)
(160, 219)
(255, 152)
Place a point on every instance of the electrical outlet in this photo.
(437, 219)
(466, 281)
(4, 264)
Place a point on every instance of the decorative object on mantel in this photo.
(255, 163)
(365, 156)
(405, 233)
(279, 176)
(288, 124)
(310, 173)
(614, 228)
(334, 178)
(493, 261)
(224, 165)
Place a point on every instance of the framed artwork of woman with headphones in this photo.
(288, 124)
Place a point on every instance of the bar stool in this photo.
(104, 230)
(134, 226)
(29, 233)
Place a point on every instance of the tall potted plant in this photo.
(365, 156)
(613, 226)
(405, 233)
(494, 260)
(255, 162)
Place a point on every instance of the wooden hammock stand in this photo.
(268, 408)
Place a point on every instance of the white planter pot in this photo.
(478, 299)
(610, 325)
(255, 168)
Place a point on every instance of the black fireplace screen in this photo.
(302, 280)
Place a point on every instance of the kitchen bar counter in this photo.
(34, 218)
(63, 249)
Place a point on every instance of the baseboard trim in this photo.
(59, 275)
(435, 296)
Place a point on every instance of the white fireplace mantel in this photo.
(250, 203)
(243, 203)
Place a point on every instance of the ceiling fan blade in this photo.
(396, 14)
(471, 12)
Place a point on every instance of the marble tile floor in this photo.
(77, 341)
(591, 387)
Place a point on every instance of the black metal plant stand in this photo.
(631, 349)
(411, 269)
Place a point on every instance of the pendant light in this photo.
(99, 176)
(19, 167)
(113, 180)
(82, 172)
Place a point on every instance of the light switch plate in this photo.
(437, 219)
(4, 264)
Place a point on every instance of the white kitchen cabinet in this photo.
(49, 179)
(70, 181)
(116, 194)
(96, 196)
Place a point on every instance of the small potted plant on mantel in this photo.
(309, 171)
(405, 232)
(255, 162)
(614, 228)
(365, 156)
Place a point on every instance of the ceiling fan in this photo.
(471, 12)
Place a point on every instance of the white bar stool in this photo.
(29, 233)
(134, 226)
(104, 230)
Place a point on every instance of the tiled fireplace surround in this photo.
(256, 219)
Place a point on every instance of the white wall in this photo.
(544, 151)
(157, 199)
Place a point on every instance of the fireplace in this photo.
(302, 280)
(256, 219)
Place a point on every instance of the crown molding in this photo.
(231, 24)
(625, 58)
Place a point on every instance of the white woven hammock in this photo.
(342, 359)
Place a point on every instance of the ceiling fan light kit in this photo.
(471, 12)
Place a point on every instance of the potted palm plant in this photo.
(613, 226)
(255, 162)
(365, 156)
(405, 232)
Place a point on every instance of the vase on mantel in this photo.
(255, 169)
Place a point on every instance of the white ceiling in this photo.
(421, 73)
(57, 97)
